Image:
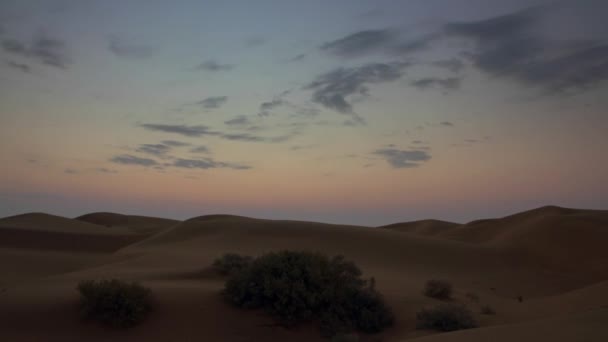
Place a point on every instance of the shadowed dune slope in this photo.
(134, 223)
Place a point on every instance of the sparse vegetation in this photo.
(296, 287)
(446, 317)
(231, 263)
(114, 302)
(487, 310)
(438, 289)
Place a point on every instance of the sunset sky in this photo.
(346, 111)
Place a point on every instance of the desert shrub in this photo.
(114, 302)
(446, 317)
(301, 286)
(345, 338)
(487, 310)
(438, 289)
(231, 263)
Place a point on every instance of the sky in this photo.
(343, 111)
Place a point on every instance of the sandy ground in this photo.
(554, 258)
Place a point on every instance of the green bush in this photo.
(114, 302)
(231, 263)
(446, 317)
(296, 287)
(438, 289)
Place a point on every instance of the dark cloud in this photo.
(43, 49)
(416, 44)
(516, 46)
(121, 48)
(403, 158)
(454, 65)
(70, 171)
(174, 143)
(446, 84)
(127, 159)
(360, 43)
(332, 89)
(213, 102)
(189, 131)
(207, 163)
(238, 121)
(200, 149)
(214, 66)
(446, 123)
(19, 66)
(154, 149)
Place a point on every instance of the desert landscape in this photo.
(543, 272)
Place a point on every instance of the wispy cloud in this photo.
(241, 120)
(207, 163)
(200, 149)
(403, 158)
(19, 66)
(214, 66)
(154, 149)
(185, 130)
(213, 102)
(122, 48)
(174, 143)
(127, 159)
(43, 49)
(361, 43)
(332, 89)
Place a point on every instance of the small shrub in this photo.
(295, 287)
(472, 297)
(231, 263)
(487, 310)
(114, 302)
(438, 289)
(345, 338)
(446, 317)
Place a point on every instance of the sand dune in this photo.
(552, 257)
(423, 227)
(134, 223)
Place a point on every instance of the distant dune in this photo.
(554, 259)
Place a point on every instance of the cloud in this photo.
(19, 66)
(445, 84)
(200, 130)
(207, 163)
(185, 130)
(266, 107)
(127, 159)
(520, 46)
(332, 89)
(360, 43)
(454, 65)
(297, 58)
(241, 120)
(403, 158)
(213, 102)
(214, 66)
(447, 124)
(105, 170)
(122, 48)
(174, 143)
(44, 49)
(255, 41)
(154, 149)
(200, 149)
(254, 138)
(70, 171)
